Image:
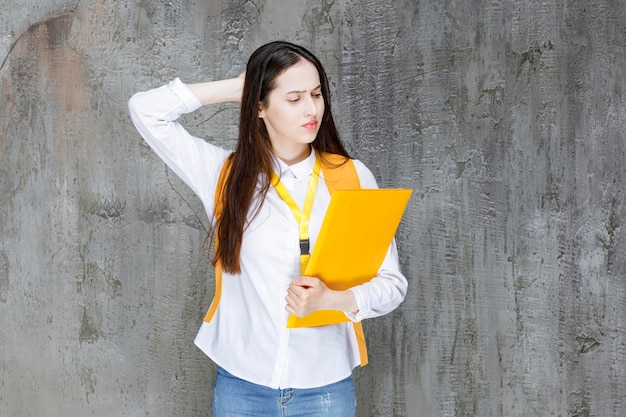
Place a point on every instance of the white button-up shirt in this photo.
(248, 336)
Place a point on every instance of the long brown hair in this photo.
(251, 164)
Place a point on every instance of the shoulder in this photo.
(366, 177)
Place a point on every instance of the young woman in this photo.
(286, 131)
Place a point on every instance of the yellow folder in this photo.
(353, 241)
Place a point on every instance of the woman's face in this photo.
(294, 111)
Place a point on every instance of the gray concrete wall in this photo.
(507, 118)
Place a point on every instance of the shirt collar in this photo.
(299, 170)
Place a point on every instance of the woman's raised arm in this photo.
(221, 91)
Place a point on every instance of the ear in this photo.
(261, 112)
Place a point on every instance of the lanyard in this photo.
(302, 216)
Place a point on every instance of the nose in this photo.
(311, 107)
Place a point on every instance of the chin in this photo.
(311, 139)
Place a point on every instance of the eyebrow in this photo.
(302, 91)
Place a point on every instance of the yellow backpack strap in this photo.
(218, 207)
(340, 174)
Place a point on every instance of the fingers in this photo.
(294, 305)
(295, 293)
(305, 282)
(305, 295)
(299, 300)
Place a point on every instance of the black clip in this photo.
(304, 246)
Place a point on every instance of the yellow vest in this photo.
(340, 176)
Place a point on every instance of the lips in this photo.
(312, 125)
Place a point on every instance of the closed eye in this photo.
(316, 93)
(296, 99)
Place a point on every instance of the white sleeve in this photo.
(383, 293)
(194, 160)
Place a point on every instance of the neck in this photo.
(293, 156)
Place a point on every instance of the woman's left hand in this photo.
(308, 294)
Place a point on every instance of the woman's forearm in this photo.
(221, 91)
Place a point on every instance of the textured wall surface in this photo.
(507, 118)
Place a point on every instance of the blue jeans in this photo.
(234, 397)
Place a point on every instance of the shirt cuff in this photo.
(364, 308)
(189, 99)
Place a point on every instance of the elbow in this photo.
(403, 288)
(137, 110)
(133, 105)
